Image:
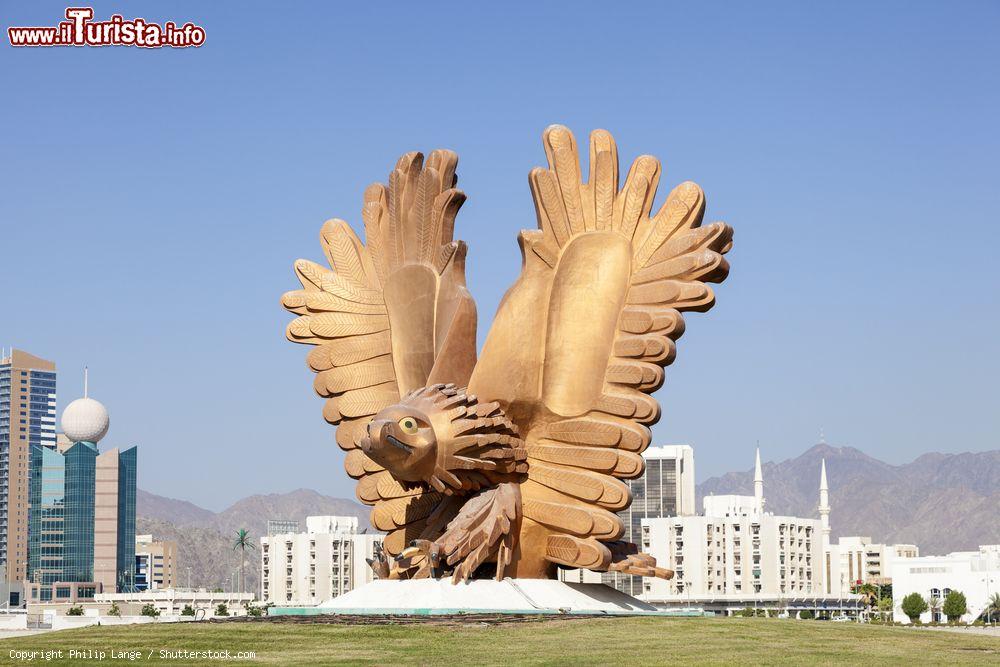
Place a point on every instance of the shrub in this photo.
(955, 606)
(807, 614)
(222, 609)
(114, 609)
(913, 606)
(750, 612)
(188, 610)
(75, 611)
(150, 610)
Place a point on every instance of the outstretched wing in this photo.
(393, 315)
(579, 342)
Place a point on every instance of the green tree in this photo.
(188, 610)
(913, 606)
(243, 542)
(114, 609)
(807, 614)
(150, 609)
(75, 611)
(955, 606)
(222, 609)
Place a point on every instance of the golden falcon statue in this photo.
(509, 466)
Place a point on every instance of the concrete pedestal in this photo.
(513, 596)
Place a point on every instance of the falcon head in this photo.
(402, 440)
(445, 438)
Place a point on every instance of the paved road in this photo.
(993, 631)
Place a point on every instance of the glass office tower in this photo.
(77, 495)
(126, 520)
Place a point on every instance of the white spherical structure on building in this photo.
(85, 420)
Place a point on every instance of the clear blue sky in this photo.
(153, 202)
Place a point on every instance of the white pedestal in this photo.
(512, 596)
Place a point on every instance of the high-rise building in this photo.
(27, 418)
(327, 560)
(82, 523)
(665, 489)
(155, 563)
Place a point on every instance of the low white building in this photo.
(329, 559)
(976, 574)
(855, 560)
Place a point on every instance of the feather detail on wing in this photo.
(580, 341)
(391, 316)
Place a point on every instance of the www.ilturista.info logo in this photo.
(80, 30)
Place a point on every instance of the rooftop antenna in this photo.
(85, 373)
(822, 436)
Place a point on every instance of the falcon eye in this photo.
(409, 425)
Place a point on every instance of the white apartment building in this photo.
(855, 560)
(976, 574)
(736, 555)
(329, 559)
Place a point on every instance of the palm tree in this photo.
(934, 604)
(868, 593)
(992, 607)
(243, 543)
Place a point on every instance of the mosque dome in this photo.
(85, 420)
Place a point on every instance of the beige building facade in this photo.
(155, 563)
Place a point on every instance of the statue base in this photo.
(430, 597)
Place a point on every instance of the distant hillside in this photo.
(205, 538)
(941, 502)
(153, 506)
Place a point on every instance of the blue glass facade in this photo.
(78, 535)
(47, 491)
(126, 518)
(61, 526)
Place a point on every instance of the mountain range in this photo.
(941, 502)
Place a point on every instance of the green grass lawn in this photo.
(601, 641)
